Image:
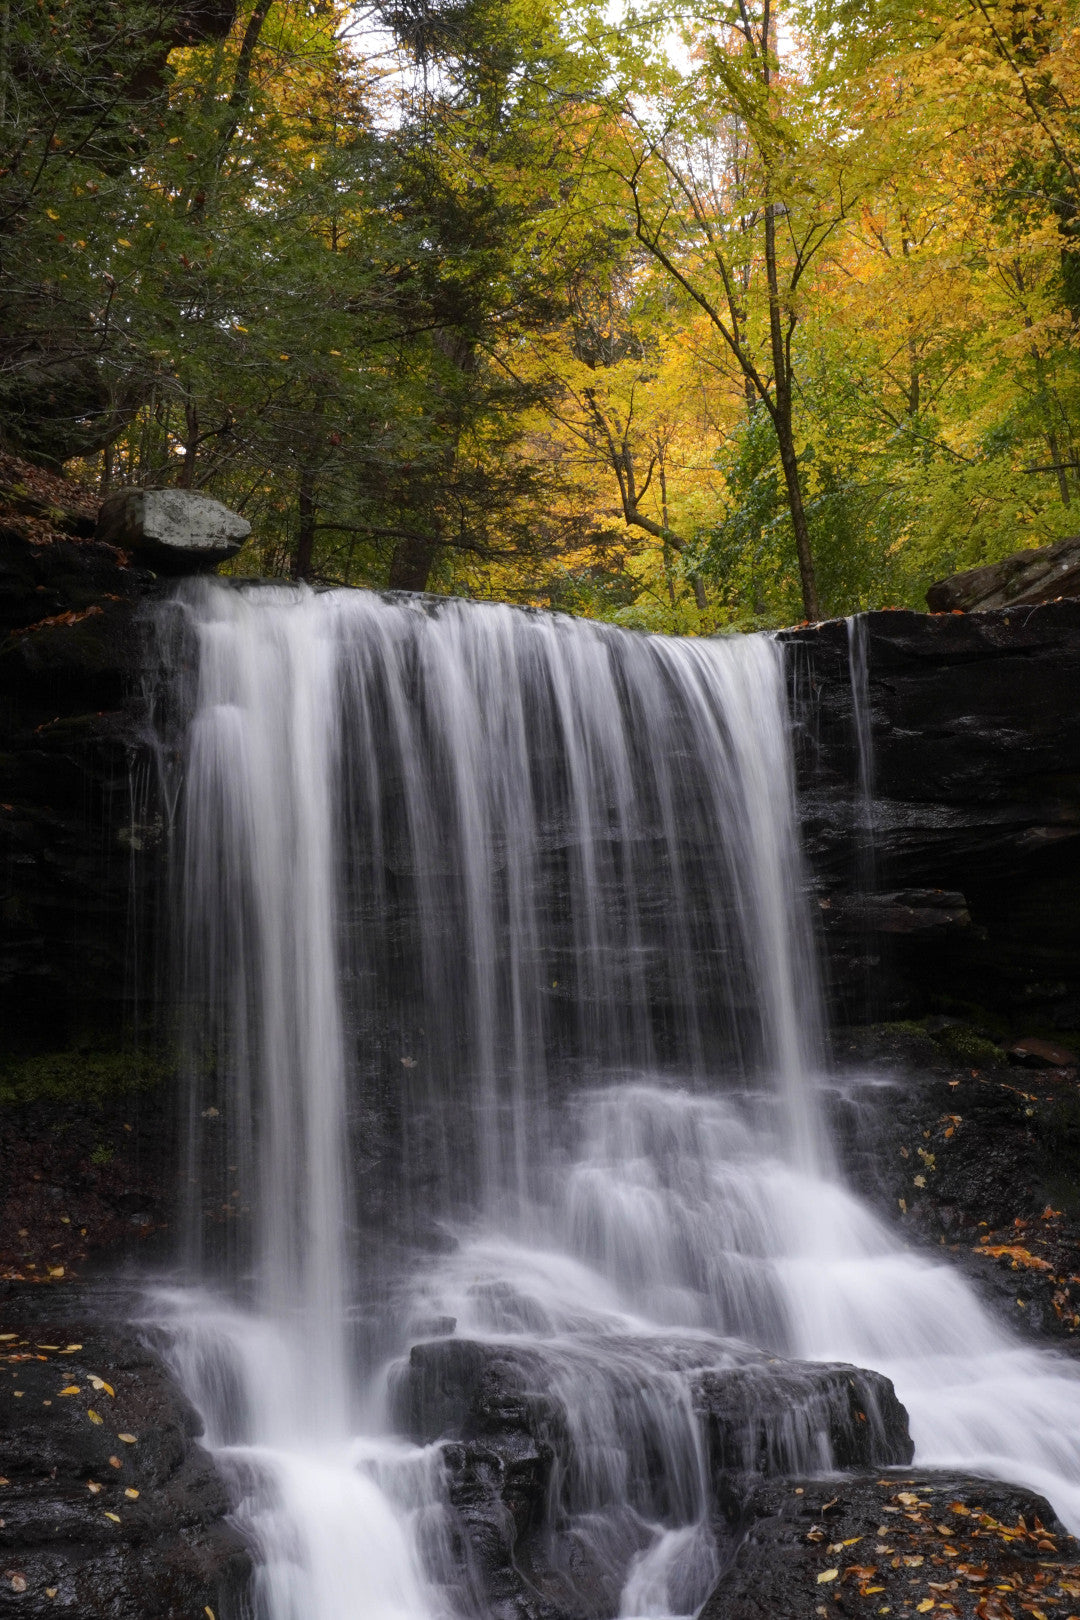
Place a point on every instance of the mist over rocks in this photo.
(534, 1433)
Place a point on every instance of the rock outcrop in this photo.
(1027, 576)
(902, 1545)
(552, 1508)
(965, 885)
(109, 1508)
(176, 531)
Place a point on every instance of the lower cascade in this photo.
(517, 1243)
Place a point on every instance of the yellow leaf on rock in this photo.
(70, 1389)
(93, 1416)
(128, 1439)
(925, 1606)
(827, 1575)
(131, 1493)
(115, 1517)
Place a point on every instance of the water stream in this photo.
(503, 1025)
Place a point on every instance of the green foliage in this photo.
(534, 313)
(80, 1076)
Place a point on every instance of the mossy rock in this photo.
(966, 1045)
(80, 1076)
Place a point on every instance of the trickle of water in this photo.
(502, 1018)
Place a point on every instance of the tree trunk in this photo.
(411, 564)
(305, 543)
(782, 421)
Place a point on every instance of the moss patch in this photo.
(80, 1076)
(967, 1046)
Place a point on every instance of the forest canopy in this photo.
(684, 317)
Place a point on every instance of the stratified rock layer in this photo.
(967, 883)
(1038, 575)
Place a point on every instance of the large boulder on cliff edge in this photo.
(1039, 575)
(176, 531)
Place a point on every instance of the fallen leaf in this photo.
(131, 1493)
(827, 1575)
(114, 1462)
(115, 1517)
(18, 1583)
(128, 1439)
(93, 1416)
(925, 1606)
(70, 1389)
(94, 1488)
(51, 1591)
(99, 1383)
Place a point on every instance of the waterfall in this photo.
(502, 1030)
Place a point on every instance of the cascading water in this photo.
(502, 1021)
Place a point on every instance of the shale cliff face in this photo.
(71, 752)
(962, 885)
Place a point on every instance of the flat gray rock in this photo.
(1039, 575)
(175, 530)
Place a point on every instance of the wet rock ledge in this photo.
(899, 1545)
(109, 1507)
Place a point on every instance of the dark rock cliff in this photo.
(965, 888)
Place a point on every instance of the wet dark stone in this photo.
(1037, 1054)
(972, 1156)
(108, 1506)
(780, 1417)
(887, 1544)
(976, 743)
(511, 1459)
